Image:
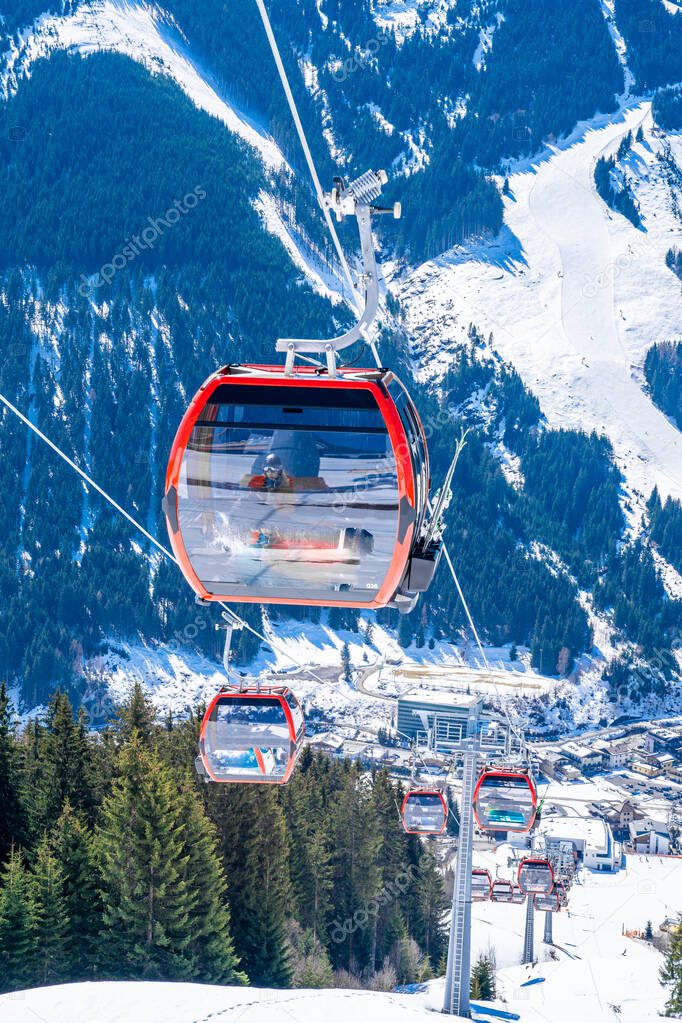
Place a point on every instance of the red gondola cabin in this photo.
(547, 903)
(503, 891)
(536, 876)
(251, 736)
(301, 489)
(481, 885)
(505, 801)
(424, 812)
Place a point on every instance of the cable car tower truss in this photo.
(474, 740)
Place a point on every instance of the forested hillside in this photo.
(667, 107)
(299, 886)
(663, 371)
(654, 39)
(107, 337)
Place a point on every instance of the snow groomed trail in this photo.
(573, 294)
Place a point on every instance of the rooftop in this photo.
(440, 698)
(575, 749)
(646, 826)
(592, 831)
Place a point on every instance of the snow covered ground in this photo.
(573, 294)
(598, 973)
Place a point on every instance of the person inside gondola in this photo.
(273, 477)
(291, 465)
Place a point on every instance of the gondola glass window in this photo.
(285, 493)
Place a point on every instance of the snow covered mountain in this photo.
(565, 293)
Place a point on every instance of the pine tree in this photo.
(671, 974)
(357, 879)
(310, 857)
(255, 848)
(210, 939)
(16, 925)
(346, 665)
(483, 979)
(50, 919)
(73, 847)
(397, 875)
(311, 965)
(141, 842)
(63, 760)
(137, 716)
(11, 816)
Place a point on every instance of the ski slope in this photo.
(597, 970)
(573, 294)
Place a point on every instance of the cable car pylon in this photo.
(458, 974)
(548, 937)
(529, 933)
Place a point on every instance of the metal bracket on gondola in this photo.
(232, 622)
(355, 199)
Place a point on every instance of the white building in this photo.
(650, 836)
(433, 718)
(591, 838)
(584, 757)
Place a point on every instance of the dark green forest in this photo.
(663, 372)
(654, 40)
(117, 863)
(673, 260)
(618, 197)
(667, 108)
(666, 527)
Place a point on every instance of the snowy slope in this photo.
(573, 294)
(596, 970)
(149, 35)
(142, 32)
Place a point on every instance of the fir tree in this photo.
(73, 846)
(671, 974)
(50, 919)
(310, 856)
(346, 665)
(142, 845)
(483, 979)
(137, 716)
(16, 925)
(210, 940)
(255, 848)
(11, 817)
(357, 878)
(63, 760)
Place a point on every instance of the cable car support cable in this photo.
(237, 621)
(306, 149)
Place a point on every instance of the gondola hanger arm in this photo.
(355, 199)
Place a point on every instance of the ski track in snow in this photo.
(573, 294)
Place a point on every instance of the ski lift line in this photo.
(517, 732)
(140, 528)
(306, 150)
